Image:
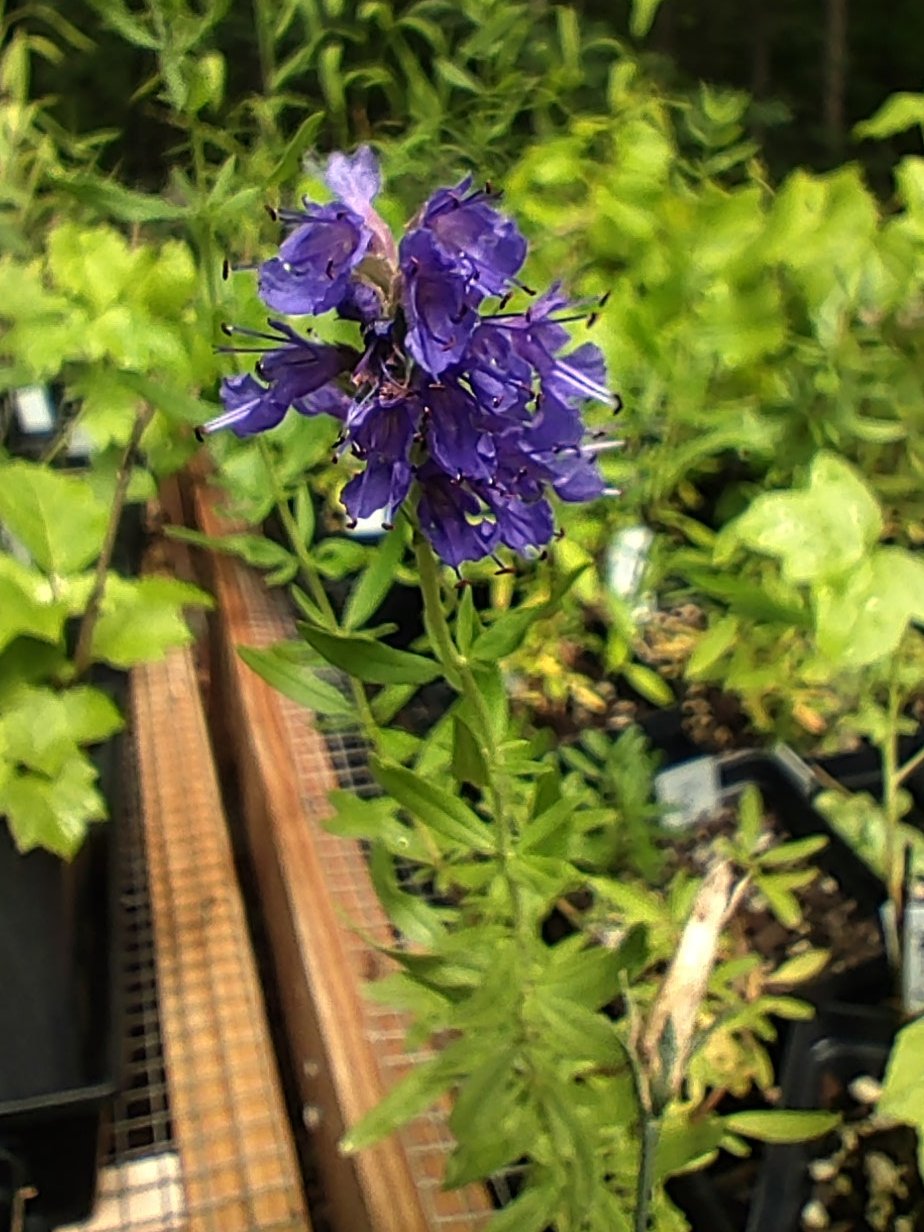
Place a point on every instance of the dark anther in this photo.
(504, 570)
(419, 438)
(352, 523)
(605, 298)
(495, 402)
(227, 330)
(560, 533)
(272, 211)
(329, 269)
(528, 290)
(618, 405)
(543, 555)
(199, 434)
(593, 319)
(388, 526)
(488, 187)
(462, 583)
(225, 269)
(260, 370)
(504, 300)
(599, 434)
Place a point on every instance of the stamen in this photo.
(272, 211)
(618, 403)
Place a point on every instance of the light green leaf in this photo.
(22, 612)
(642, 16)
(414, 1094)
(298, 681)
(780, 1125)
(819, 532)
(897, 114)
(863, 619)
(902, 1096)
(53, 812)
(801, 968)
(55, 516)
(441, 812)
(534, 1210)
(90, 715)
(141, 620)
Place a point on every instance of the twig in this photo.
(82, 653)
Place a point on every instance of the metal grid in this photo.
(319, 764)
(199, 1140)
(141, 1180)
(239, 1170)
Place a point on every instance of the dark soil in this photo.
(831, 919)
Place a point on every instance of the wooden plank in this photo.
(315, 886)
(238, 1159)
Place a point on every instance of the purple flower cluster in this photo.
(476, 411)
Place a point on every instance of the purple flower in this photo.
(452, 518)
(249, 407)
(476, 412)
(312, 272)
(438, 304)
(486, 247)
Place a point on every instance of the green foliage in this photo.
(54, 528)
(116, 324)
(902, 1090)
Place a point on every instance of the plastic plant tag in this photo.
(626, 562)
(796, 769)
(35, 410)
(913, 951)
(372, 527)
(687, 791)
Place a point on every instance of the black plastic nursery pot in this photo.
(59, 1015)
(823, 1059)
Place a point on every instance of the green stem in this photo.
(905, 771)
(460, 674)
(312, 579)
(651, 1133)
(83, 650)
(263, 22)
(894, 855)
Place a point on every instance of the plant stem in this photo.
(83, 651)
(894, 854)
(312, 579)
(263, 23)
(905, 771)
(651, 1133)
(458, 670)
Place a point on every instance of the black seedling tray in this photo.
(60, 1010)
(843, 1042)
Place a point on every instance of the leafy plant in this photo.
(63, 610)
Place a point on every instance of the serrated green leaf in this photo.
(56, 517)
(141, 620)
(53, 812)
(363, 657)
(441, 812)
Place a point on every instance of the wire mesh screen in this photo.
(341, 758)
(199, 1140)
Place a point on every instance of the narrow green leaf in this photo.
(441, 812)
(375, 581)
(298, 681)
(468, 764)
(365, 658)
(780, 1125)
(414, 1094)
